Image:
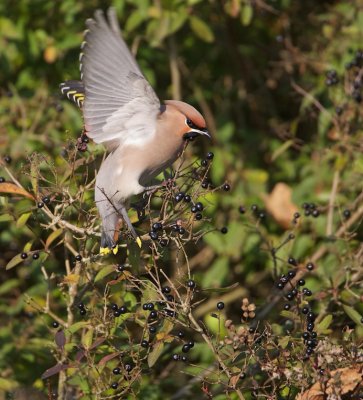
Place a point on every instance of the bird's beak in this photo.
(196, 132)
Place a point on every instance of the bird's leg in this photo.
(126, 218)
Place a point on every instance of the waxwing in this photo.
(122, 111)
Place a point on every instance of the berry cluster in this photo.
(331, 78)
(82, 143)
(117, 311)
(45, 200)
(311, 209)
(82, 309)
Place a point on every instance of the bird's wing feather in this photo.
(120, 106)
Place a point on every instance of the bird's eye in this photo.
(191, 124)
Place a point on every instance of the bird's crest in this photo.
(74, 90)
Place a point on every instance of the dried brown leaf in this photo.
(279, 204)
(343, 381)
(55, 370)
(11, 188)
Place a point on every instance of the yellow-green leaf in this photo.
(22, 220)
(155, 353)
(77, 326)
(201, 29)
(353, 314)
(8, 384)
(14, 262)
(52, 237)
(322, 327)
(246, 14)
(87, 338)
(104, 272)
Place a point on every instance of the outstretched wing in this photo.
(120, 106)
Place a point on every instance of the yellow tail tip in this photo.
(115, 249)
(138, 241)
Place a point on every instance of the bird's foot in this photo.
(104, 251)
(149, 190)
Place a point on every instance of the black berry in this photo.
(55, 324)
(305, 310)
(224, 230)
(24, 256)
(128, 367)
(210, 155)
(191, 283)
(185, 348)
(153, 235)
(46, 199)
(220, 305)
(346, 214)
(310, 266)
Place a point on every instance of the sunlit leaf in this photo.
(11, 188)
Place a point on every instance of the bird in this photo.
(143, 136)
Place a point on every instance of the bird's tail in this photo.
(74, 90)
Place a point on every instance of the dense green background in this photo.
(257, 70)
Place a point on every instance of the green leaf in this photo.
(322, 327)
(77, 326)
(217, 273)
(6, 218)
(87, 338)
(353, 314)
(14, 262)
(23, 220)
(246, 14)
(105, 271)
(215, 240)
(8, 285)
(8, 384)
(134, 20)
(284, 342)
(155, 353)
(290, 315)
(201, 29)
